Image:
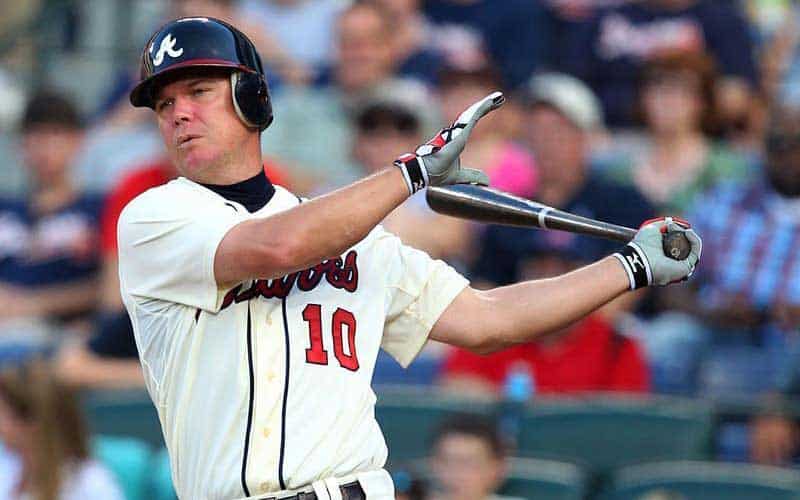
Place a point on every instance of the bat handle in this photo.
(675, 244)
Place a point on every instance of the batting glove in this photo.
(644, 260)
(437, 163)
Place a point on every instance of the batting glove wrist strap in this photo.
(414, 172)
(636, 265)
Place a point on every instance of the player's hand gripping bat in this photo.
(484, 204)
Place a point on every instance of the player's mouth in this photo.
(185, 140)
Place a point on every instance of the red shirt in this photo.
(140, 180)
(590, 357)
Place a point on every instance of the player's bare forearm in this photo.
(313, 231)
(487, 321)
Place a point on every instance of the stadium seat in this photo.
(128, 459)
(161, 485)
(123, 413)
(705, 481)
(409, 417)
(537, 479)
(606, 432)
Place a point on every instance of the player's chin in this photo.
(195, 160)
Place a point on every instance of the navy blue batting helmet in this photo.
(206, 42)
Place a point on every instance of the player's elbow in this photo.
(290, 253)
(474, 321)
(487, 344)
(483, 341)
(279, 258)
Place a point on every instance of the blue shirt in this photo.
(50, 249)
(750, 246)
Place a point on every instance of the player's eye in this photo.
(162, 105)
(199, 91)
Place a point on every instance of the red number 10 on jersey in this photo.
(316, 354)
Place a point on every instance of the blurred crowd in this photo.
(618, 110)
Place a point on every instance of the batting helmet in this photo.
(207, 42)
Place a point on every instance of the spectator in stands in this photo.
(679, 159)
(48, 237)
(109, 359)
(45, 435)
(468, 460)
(363, 63)
(748, 292)
(415, 54)
(589, 356)
(511, 35)
(609, 51)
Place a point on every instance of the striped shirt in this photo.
(751, 237)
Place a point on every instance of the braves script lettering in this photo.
(341, 274)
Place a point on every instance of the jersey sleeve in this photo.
(419, 289)
(167, 245)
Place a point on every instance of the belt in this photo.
(350, 491)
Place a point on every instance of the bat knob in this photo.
(676, 245)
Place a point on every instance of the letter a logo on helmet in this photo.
(167, 47)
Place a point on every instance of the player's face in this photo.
(199, 125)
(466, 468)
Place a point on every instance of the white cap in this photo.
(570, 96)
(404, 95)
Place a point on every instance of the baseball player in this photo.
(258, 316)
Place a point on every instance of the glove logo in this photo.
(167, 47)
(634, 260)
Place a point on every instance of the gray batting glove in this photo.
(437, 163)
(644, 260)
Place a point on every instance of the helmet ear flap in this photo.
(251, 99)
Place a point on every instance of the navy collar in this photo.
(253, 193)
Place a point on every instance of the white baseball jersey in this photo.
(265, 386)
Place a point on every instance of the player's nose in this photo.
(182, 110)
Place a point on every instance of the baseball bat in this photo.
(491, 206)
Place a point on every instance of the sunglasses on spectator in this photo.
(377, 119)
